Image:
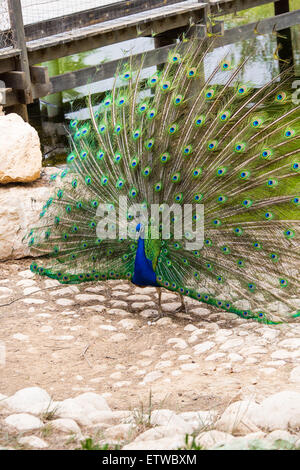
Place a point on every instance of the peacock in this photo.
(182, 143)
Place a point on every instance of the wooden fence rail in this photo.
(86, 30)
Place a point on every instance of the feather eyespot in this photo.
(266, 153)
(240, 147)
(187, 150)
(165, 157)
(197, 172)
(199, 121)
(212, 145)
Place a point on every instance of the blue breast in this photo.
(143, 271)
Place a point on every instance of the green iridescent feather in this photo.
(186, 136)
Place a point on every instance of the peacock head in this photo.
(140, 229)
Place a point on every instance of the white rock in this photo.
(108, 327)
(33, 400)
(215, 356)
(65, 302)
(239, 418)
(20, 206)
(66, 425)
(5, 291)
(119, 432)
(295, 375)
(34, 441)
(235, 357)
(20, 153)
(24, 422)
(139, 298)
(128, 324)
(84, 408)
(118, 311)
(190, 327)
(179, 343)
(199, 419)
(279, 411)
(190, 366)
(232, 343)
(164, 417)
(211, 438)
(279, 434)
(118, 337)
(20, 337)
(152, 376)
(89, 297)
(26, 274)
(290, 343)
(163, 364)
(203, 347)
(122, 383)
(284, 354)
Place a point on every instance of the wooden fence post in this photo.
(284, 38)
(22, 64)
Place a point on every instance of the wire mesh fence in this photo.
(41, 10)
(6, 34)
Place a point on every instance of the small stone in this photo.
(290, 343)
(24, 422)
(128, 324)
(281, 435)
(190, 366)
(124, 383)
(203, 347)
(89, 298)
(235, 357)
(215, 356)
(65, 302)
(179, 343)
(118, 337)
(33, 400)
(34, 301)
(211, 438)
(33, 441)
(66, 425)
(239, 418)
(108, 328)
(46, 329)
(295, 375)
(148, 313)
(118, 311)
(184, 357)
(232, 343)
(120, 432)
(139, 298)
(27, 274)
(142, 305)
(163, 364)
(190, 327)
(166, 321)
(152, 376)
(29, 290)
(5, 291)
(20, 337)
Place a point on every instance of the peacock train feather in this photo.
(186, 138)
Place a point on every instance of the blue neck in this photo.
(143, 271)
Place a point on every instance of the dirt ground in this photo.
(100, 338)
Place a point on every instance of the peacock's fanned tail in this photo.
(182, 136)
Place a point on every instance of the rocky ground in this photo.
(88, 361)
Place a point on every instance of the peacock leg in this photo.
(183, 304)
(160, 311)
